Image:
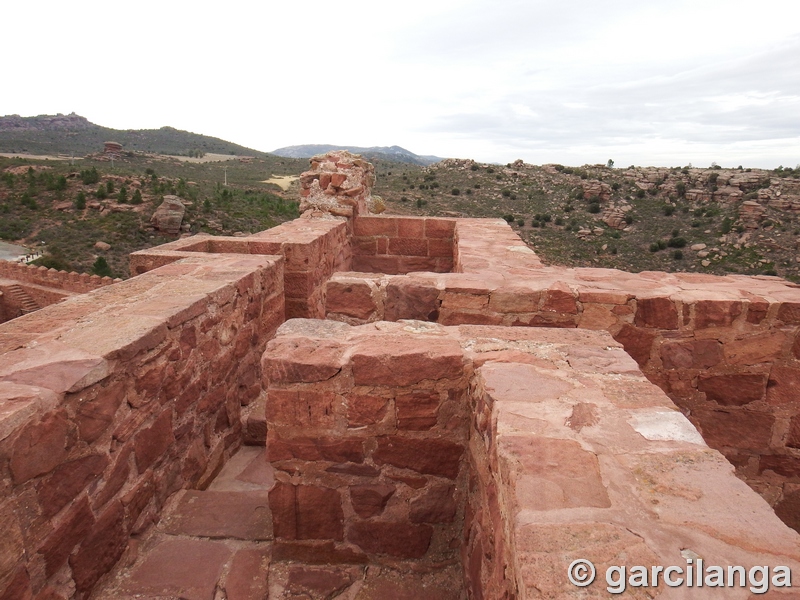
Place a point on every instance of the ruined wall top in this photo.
(339, 183)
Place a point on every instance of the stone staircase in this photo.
(217, 544)
(21, 297)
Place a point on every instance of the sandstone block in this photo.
(306, 512)
(428, 456)
(743, 429)
(351, 298)
(365, 410)
(437, 504)
(783, 385)
(100, 551)
(40, 447)
(248, 575)
(417, 411)
(67, 481)
(296, 360)
(637, 342)
(406, 299)
(370, 500)
(656, 313)
(300, 408)
(403, 360)
(61, 542)
(400, 540)
(307, 448)
(716, 313)
(151, 443)
(733, 390)
(218, 514)
(692, 354)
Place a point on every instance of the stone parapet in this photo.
(726, 349)
(112, 400)
(518, 450)
(313, 249)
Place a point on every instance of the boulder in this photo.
(169, 216)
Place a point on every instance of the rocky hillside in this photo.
(710, 220)
(73, 134)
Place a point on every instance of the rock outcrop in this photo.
(338, 183)
(169, 216)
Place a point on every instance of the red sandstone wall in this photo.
(79, 283)
(367, 433)
(115, 399)
(313, 250)
(728, 356)
(395, 245)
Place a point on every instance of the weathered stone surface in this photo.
(365, 410)
(429, 456)
(411, 300)
(437, 504)
(783, 385)
(294, 360)
(745, 429)
(40, 447)
(658, 313)
(306, 512)
(693, 354)
(100, 551)
(400, 540)
(176, 567)
(716, 313)
(61, 542)
(215, 514)
(637, 342)
(68, 480)
(405, 360)
(370, 500)
(351, 298)
(248, 577)
(11, 545)
(733, 390)
(151, 443)
(300, 408)
(334, 450)
(318, 582)
(417, 411)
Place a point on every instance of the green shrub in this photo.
(455, 191)
(101, 268)
(677, 242)
(521, 222)
(727, 223)
(109, 187)
(677, 255)
(509, 218)
(101, 193)
(594, 208)
(137, 197)
(668, 210)
(80, 201)
(654, 247)
(629, 218)
(640, 193)
(122, 196)
(90, 176)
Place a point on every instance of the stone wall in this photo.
(725, 349)
(517, 450)
(313, 249)
(78, 283)
(395, 245)
(113, 400)
(367, 431)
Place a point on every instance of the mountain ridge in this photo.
(391, 153)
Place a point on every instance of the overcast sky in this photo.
(653, 82)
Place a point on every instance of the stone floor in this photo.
(217, 545)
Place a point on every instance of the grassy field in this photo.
(546, 205)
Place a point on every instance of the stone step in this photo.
(217, 544)
(27, 303)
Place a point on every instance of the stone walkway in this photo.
(217, 544)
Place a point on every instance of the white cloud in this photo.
(647, 83)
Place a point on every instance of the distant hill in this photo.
(391, 153)
(67, 134)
